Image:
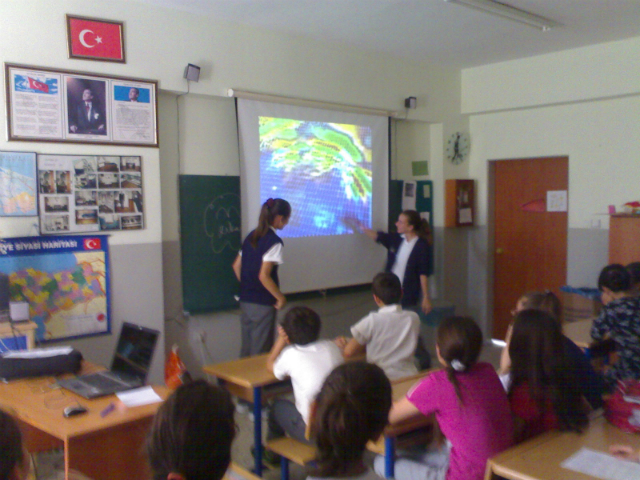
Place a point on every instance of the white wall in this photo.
(582, 103)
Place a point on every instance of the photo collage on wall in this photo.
(80, 193)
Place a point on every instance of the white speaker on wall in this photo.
(192, 72)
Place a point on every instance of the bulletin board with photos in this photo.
(90, 193)
(47, 105)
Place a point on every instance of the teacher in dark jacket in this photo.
(408, 256)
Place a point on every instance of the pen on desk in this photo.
(110, 408)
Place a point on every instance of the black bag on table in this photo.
(14, 367)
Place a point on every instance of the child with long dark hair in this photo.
(14, 463)
(470, 406)
(351, 409)
(191, 434)
(543, 392)
(589, 382)
(620, 320)
(256, 267)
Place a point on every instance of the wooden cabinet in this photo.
(624, 239)
(459, 202)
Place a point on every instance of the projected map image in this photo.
(322, 169)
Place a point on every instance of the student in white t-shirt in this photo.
(389, 335)
(297, 353)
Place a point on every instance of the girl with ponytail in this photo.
(470, 406)
(256, 267)
(351, 409)
(408, 257)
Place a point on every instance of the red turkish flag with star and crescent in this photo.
(96, 39)
(92, 244)
(36, 85)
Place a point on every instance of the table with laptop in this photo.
(129, 366)
(105, 442)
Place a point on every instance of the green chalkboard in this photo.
(209, 240)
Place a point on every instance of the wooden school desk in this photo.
(246, 378)
(540, 457)
(386, 445)
(109, 448)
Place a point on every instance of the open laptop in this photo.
(129, 368)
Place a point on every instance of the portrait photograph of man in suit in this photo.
(85, 103)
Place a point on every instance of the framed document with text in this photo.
(46, 105)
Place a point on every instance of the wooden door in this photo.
(530, 243)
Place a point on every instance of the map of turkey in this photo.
(67, 297)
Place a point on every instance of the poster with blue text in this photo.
(65, 281)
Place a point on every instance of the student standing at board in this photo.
(408, 257)
(256, 267)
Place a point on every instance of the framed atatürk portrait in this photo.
(46, 105)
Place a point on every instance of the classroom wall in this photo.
(208, 145)
(34, 33)
(159, 43)
(582, 103)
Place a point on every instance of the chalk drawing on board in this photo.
(221, 223)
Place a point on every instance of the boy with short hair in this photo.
(389, 335)
(297, 353)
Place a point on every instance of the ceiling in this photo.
(431, 30)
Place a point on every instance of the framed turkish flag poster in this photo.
(95, 39)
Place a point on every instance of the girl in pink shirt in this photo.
(469, 403)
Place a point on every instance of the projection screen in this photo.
(333, 168)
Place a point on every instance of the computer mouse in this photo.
(74, 410)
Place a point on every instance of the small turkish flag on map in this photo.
(92, 244)
(95, 39)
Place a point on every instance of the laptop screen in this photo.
(134, 350)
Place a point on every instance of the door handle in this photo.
(499, 251)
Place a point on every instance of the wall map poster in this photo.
(84, 193)
(65, 281)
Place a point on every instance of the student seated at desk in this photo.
(389, 335)
(469, 404)
(543, 392)
(589, 382)
(620, 320)
(299, 354)
(14, 461)
(191, 434)
(351, 409)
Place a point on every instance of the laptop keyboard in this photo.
(102, 382)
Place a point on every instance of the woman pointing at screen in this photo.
(409, 258)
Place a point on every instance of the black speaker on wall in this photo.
(4, 297)
(192, 72)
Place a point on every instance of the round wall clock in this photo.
(458, 147)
